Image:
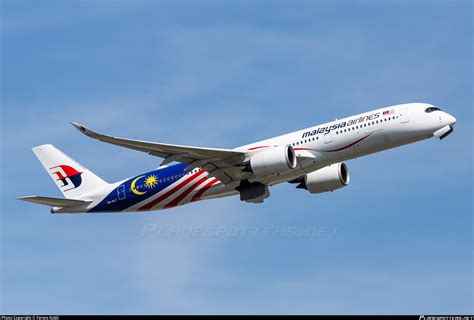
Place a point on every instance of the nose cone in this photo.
(450, 119)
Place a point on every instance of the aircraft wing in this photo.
(224, 164)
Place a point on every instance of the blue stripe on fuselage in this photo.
(123, 197)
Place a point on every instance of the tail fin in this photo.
(71, 178)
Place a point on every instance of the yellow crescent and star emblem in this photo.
(150, 182)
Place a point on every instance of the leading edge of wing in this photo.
(159, 149)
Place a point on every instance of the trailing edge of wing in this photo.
(162, 149)
(228, 161)
(54, 202)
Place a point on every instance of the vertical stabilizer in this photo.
(71, 178)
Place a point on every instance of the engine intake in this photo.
(330, 178)
(273, 160)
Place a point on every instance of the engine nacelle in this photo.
(254, 192)
(329, 178)
(273, 160)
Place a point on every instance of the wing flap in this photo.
(54, 202)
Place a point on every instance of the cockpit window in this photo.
(431, 109)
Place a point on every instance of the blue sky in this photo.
(398, 239)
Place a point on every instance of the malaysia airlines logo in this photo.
(66, 175)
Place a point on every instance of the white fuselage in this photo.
(315, 148)
(362, 134)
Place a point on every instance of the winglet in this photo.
(79, 127)
(88, 132)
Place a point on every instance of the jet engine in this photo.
(330, 178)
(254, 192)
(273, 160)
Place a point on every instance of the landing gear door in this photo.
(404, 116)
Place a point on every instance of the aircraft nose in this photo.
(450, 119)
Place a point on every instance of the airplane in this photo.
(312, 158)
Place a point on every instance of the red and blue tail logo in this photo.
(67, 173)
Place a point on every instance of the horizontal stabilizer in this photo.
(54, 202)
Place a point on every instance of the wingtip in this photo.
(26, 198)
(79, 127)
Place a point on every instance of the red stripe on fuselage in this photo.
(185, 193)
(349, 145)
(151, 204)
(198, 195)
(255, 148)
